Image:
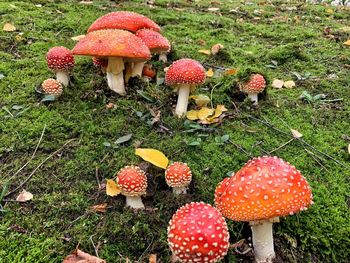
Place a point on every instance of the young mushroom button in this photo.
(178, 175)
(183, 75)
(61, 61)
(255, 85)
(133, 183)
(197, 232)
(264, 189)
(52, 87)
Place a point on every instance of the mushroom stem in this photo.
(128, 70)
(253, 97)
(63, 77)
(182, 101)
(179, 190)
(137, 69)
(263, 241)
(115, 78)
(134, 202)
(163, 57)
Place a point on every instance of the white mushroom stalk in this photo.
(137, 69)
(253, 97)
(179, 190)
(115, 78)
(263, 240)
(182, 100)
(63, 77)
(134, 202)
(163, 57)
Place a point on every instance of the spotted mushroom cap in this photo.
(125, 20)
(148, 71)
(52, 87)
(265, 187)
(112, 43)
(197, 232)
(60, 59)
(154, 41)
(255, 84)
(100, 62)
(132, 181)
(185, 71)
(178, 175)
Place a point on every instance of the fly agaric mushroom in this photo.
(255, 85)
(61, 61)
(148, 73)
(125, 20)
(263, 190)
(52, 87)
(133, 183)
(117, 46)
(156, 43)
(184, 74)
(197, 232)
(178, 176)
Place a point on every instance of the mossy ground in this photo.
(50, 227)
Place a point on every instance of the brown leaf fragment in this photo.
(24, 196)
(296, 134)
(153, 258)
(100, 208)
(8, 27)
(216, 48)
(79, 256)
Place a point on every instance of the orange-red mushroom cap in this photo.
(113, 43)
(197, 232)
(125, 20)
(265, 187)
(255, 84)
(178, 175)
(52, 87)
(185, 71)
(60, 59)
(154, 41)
(132, 181)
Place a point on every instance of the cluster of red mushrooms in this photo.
(265, 188)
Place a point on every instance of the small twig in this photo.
(144, 252)
(33, 172)
(33, 155)
(313, 156)
(281, 146)
(95, 248)
(97, 179)
(240, 148)
(211, 94)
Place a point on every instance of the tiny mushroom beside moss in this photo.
(52, 87)
(133, 183)
(263, 190)
(118, 46)
(255, 85)
(197, 232)
(183, 75)
(61, 61)
(178, 176)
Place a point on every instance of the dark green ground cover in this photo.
(49, 227)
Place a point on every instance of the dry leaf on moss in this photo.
(79, 256)
(296, 134)
(218, 111)
(216, 48)
(24, 196)
(101, 208)
(230, 71)
(347, 42)
(112, 189)
(9, 27)
(204, 51)
(289, 84)
(200, 100)
(153, 258)
(204, 113)
(192, 115)
(277, 83)
(153, 156)
(209, 73)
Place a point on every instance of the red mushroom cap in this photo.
(123, 20)
(100, 62)
(112, 43)
(52, 87)
(185, 71)
(60, 59)
(148, 71)
(197, 232)
(154, 41)
(255, 84)
(264, 188)
(178, 175)
(132, 181)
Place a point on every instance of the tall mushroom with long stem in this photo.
(262, 191)
(184, 75)
(117, 46)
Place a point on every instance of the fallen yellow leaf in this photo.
(277, 83)
(9, 27)
(192, 115)
(77, 38)
(289, 84)
(153, 156)
(112, 189)
(204, 113)
(24, 196)
(347, 42)
(204, 51)
(329, 11)
(209, 73)
(230, 71)
(296, 134)
(210, 121)
(201, 100)
(216, 48)
(153, 258)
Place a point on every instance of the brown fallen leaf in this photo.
(153, 258)
(101, 208)
(296, 134)
(24, 196)
(77, 38)
(213, 9)
(112, 189)
(230, 71)
(9, 27)
(204, 51)
(111, 105)
(79, 256)
(347, 42)
(216, 48)
(156, 117)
